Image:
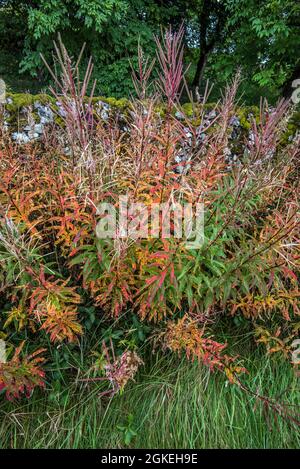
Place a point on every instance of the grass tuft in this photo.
(173, 404)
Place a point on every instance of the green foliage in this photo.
(267, 34)
(110, 28)
(260, 37)
(128, 430)
(175, 404)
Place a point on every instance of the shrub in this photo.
(61, 283)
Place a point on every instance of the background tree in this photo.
(266, 41)
(259, 36)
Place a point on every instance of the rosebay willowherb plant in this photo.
(61, 283)
(70, 92)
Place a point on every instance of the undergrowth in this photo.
(172, 404)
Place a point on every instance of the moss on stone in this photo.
(188, 109)
(293, 127)
(120, 104)
(20, 102)
(244, 113)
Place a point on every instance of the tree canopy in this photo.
(259, 36)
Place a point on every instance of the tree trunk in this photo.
(200, 69)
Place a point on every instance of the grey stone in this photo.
(179, 115)
(38, 128)
(104, 114)
(20, 137)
